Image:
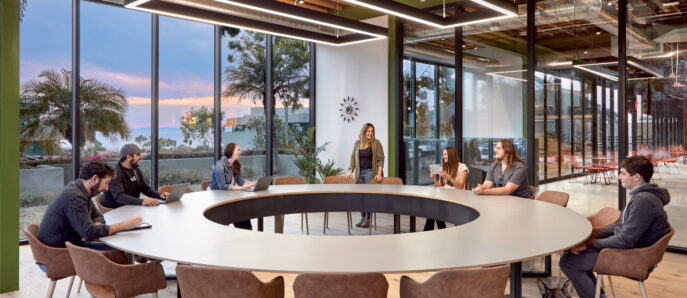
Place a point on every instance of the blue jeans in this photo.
(365, 178)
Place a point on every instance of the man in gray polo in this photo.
(508, 174)
(126, 187)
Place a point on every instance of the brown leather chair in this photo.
(604, 217)
(554, 197)
(98, 202)
(477, 282)
(294, 180)
(109, 273)
(331, 285)
(635, 263)
(385, 180)
(168, 188)
(337, 180)
(201, 282)
(533, 192)
(204, 185)
(54, 261)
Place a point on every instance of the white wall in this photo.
(359, 71)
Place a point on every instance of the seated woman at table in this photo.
(453, 174)
(507, 175)
(227, 171)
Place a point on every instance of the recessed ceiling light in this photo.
(598, 32)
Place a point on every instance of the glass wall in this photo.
(116, 89)
(291, 87)
(656, 44)
(186, 102)
(243, 99)
(45, 105)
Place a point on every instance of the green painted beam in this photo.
(361, 13)
(392, 99)
(9, 145)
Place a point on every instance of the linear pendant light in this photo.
(210, 12)
(504, 9)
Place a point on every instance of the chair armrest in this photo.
(631, 263)
(136, 279)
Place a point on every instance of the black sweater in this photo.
(642, 223)
(125, 188)
(72, 217)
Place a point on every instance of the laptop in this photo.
(262, 184)
(175, 194)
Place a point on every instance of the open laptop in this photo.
(262, 184)
(175, 194)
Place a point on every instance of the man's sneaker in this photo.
(360, 223)
(365, 224)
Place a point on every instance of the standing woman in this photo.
(453, 174)
(227, 171)
(367, 159)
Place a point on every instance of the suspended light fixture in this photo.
(219, 12)
(500, 9)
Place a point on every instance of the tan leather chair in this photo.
(604, 217)
(478, 283)
(294, 180)
(168, 188)
(109, 273)
(98, 202)
(54, 261)
(634, 263)
(201, 282)
(204, 185)
(554, 197)
(337, 180)
(334, 285)
(385, 180)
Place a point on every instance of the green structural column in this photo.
(9, 145)
(393, 142)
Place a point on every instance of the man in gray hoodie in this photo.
(641, 224)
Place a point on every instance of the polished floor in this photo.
(666, 281)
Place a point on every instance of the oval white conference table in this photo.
(492, 230)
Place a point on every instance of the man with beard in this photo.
(73, 217)
(128, 184)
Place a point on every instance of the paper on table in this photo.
(435, 168)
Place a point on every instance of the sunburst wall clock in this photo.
(348, 109)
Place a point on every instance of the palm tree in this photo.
(45, 110)
(22, 8)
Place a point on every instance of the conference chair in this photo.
(338, 180)
(109, 273)
(99, 203)
(290, 181)
(331, 285)
(478, 283)
(533, 192)
(385, 180)
(169, 188)
(204, 185)
(54, 261)
(556, 198)
(635, 263)
(202, 281)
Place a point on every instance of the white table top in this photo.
(509, 229)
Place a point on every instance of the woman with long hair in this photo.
(453, 174)
(507, 175)
(227, 171)
(367, 158)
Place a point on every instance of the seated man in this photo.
(72, 216)
(641, 224)
(508, 174)
(129, 183)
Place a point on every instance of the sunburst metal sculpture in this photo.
(348, 109)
